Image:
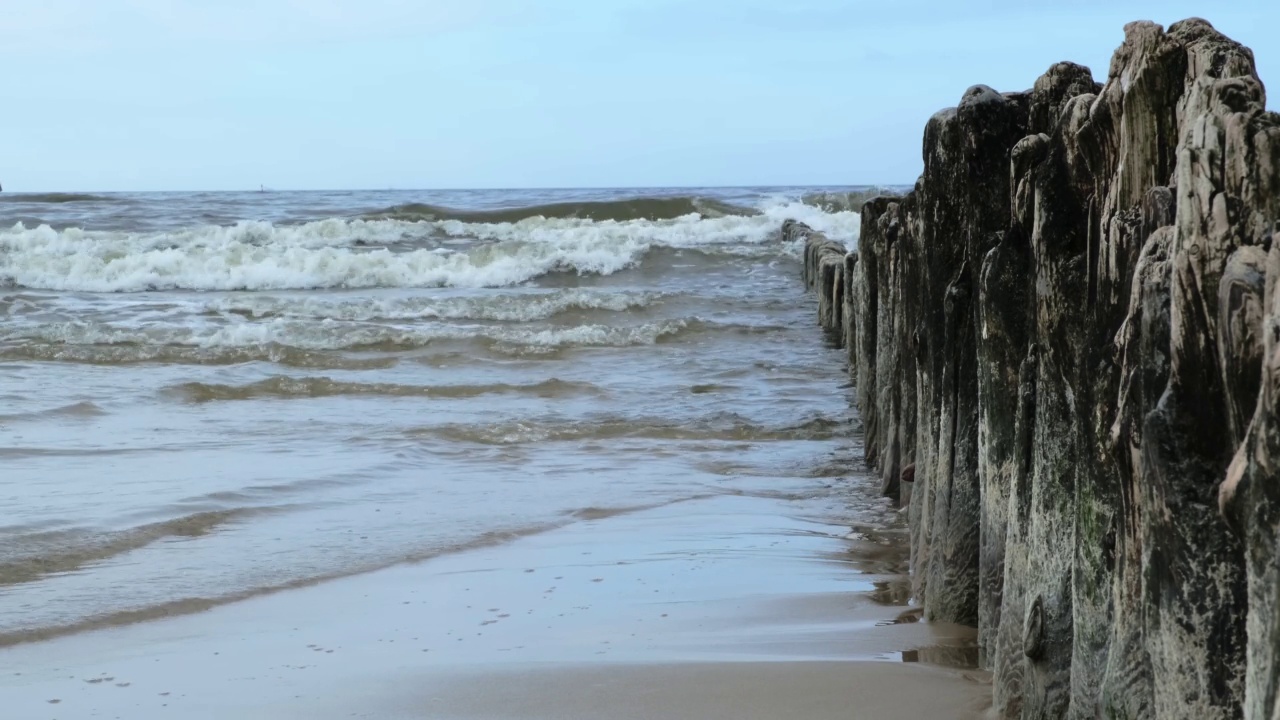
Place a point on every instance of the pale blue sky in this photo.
(231, 94)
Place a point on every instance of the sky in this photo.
(105, 95)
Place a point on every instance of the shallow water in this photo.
(209, 396)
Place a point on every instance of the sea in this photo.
(209, 396)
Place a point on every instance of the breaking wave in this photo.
(359, 253)
(838, 202)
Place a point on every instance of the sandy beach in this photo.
(732, 606)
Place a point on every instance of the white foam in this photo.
(325, 254)
(335, 335)
(841, 226)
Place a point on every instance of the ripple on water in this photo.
(181, 448)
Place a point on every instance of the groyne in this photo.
(1066, 347)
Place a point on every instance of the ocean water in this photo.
(208, 396)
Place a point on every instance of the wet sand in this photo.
(707, 691)
(723, 607)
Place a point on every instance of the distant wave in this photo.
(660, 208)
(54, 198)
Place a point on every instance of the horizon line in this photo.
(466, 189)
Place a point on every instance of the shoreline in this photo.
(719, 607)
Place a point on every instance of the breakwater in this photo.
(1066, 347)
